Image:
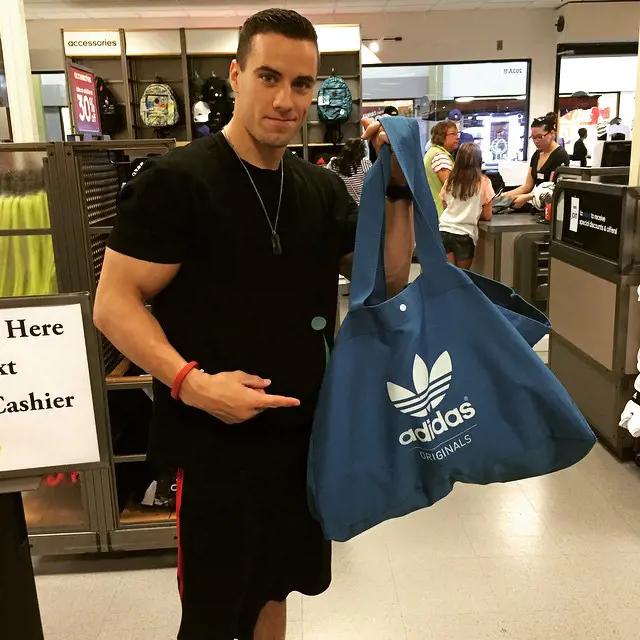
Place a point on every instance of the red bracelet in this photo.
(179, 379)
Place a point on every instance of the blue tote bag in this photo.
(435, 386)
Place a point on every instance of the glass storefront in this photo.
(489, 100)
(596, 92)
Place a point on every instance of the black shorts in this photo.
(461, 246)
(246, 537)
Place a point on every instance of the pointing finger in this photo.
(277, 402)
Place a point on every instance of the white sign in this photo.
(485, 79)
(47, 416)
(575, 214)
(92, 43)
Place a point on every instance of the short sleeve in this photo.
(441, 161)
(534, 162)
(152, 212)
(559, 158)
(486, 190)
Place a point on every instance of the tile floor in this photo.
(553, 558)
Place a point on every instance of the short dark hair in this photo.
(582, 132)
(284, 22)
(390, 111)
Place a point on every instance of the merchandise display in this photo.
(194, 64)
(27, 265)
(111, 113)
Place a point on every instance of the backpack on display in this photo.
(111, 113)
(334, 107)
(159, 107)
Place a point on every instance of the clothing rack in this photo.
(62, 241)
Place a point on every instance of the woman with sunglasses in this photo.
(548, 157)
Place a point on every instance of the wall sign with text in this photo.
(48, 413)
(592, 222)
(84, 100)
(92, 43)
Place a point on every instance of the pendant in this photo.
(275, 244)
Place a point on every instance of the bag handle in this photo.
(368, 278)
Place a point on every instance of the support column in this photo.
(17, 68)
(634, 171)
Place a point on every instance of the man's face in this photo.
(276, 87)
(451, 140)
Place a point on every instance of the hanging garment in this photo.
(27, 264)
(434, 386)
(630, 417)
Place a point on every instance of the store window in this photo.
(489, 100)
(596, 92)
(52, 109)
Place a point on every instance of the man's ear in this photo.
(234, 72)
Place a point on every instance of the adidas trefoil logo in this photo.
(430, 390)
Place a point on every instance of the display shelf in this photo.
(58, 506)
(119, 380)
(134, 457)
(138, 514)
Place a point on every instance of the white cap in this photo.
(201, 112)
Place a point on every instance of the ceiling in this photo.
(83, 9)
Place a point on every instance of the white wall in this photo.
(601, 22)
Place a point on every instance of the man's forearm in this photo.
(399, 243)
(133, 330)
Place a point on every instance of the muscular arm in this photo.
(398, 248)
(399, 243)
(120, 313)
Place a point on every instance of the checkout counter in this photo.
(594, 272)
(514, 249)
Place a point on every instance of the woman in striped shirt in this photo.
(351, 165)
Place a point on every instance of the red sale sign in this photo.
(82, 88)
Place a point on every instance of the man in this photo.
(438, 161)
(238, 244)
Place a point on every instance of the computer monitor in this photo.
(616, 153)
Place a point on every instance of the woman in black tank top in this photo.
(548, 157)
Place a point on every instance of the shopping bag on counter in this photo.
(435, 386)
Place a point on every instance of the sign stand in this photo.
(48, 423)
(19, 609)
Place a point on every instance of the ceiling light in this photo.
(375, 46)
(465, 99)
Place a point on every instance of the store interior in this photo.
(75, 175)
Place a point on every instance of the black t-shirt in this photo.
(558, 157)
(234, 305)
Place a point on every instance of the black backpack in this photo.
(111, 113)
(217, 93)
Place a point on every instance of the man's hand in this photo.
(232, 397)
(521, 200)
(375, 134)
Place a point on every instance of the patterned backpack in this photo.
(334, 107)
(159, 107)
